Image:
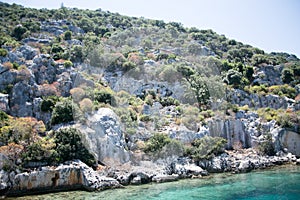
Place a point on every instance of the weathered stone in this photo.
(21, 99)
(184, 168)
(104, 138)
(290, 140)
(4, 106)
(162, 178)
(268, 75)
(71, 175)
(136, 180)
(28, 52)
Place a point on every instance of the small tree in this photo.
(206, 147)
(197, 84)
(64, 111)
(69, 146)
(68, 35)
(287, 75)
(266, 147)
(19, 31)
(233, 77)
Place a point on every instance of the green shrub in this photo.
(68, 35)
(206, 147)
(3, 116)
(157, 142)
(104, 96)
(48, 103)
(3, 52)
(69, 146)
(64, 111)
(145, 118)
(283, 90)
(68, 64)
(287, 75)
(40, 151)
(169, 101)
(266, 147)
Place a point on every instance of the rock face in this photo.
(4, 106)
(104, 137)
(232, 129)
(253, 100)
(244, 161)
(71, 175)
(269, 75)
(289, 140)
(184, 168)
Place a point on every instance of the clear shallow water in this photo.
(279, 183)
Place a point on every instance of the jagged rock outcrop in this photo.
(71, 175)
(268, 75)
(4, 106)
(244, 161)
(104, 137)
(184, 168)
(21, 99)
(253, 100)
(289, 140)
(43, 69)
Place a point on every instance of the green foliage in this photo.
(104, 96)
(48, 103)
(233, 77)
(268, 114)
(76, 54)
(289, 120)
(40, 151)
(186, 71)
(69, 146)
(283, 90)
(3, 116)
(128, 66)
(206, 147)
(197, 84)
(68, 64)
(287, 75)
(191, 117)
(168, 101)
(18, 32)
(157, 142)
(266, 147)
(3, 52)
(64, 111)
(145, 118)
(68, 35)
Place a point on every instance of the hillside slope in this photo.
(111, 89)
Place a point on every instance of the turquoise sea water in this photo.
(280, 183)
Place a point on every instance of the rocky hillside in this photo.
(112, 90)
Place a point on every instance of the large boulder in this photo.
(28, 52)
(289, 139)
(71, 175)
(104, 137)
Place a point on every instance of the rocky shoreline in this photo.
(75, 175)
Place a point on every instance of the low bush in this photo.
(157, 142)
(69, 146)
(266, 147)
(206, 147)
(65, 111)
